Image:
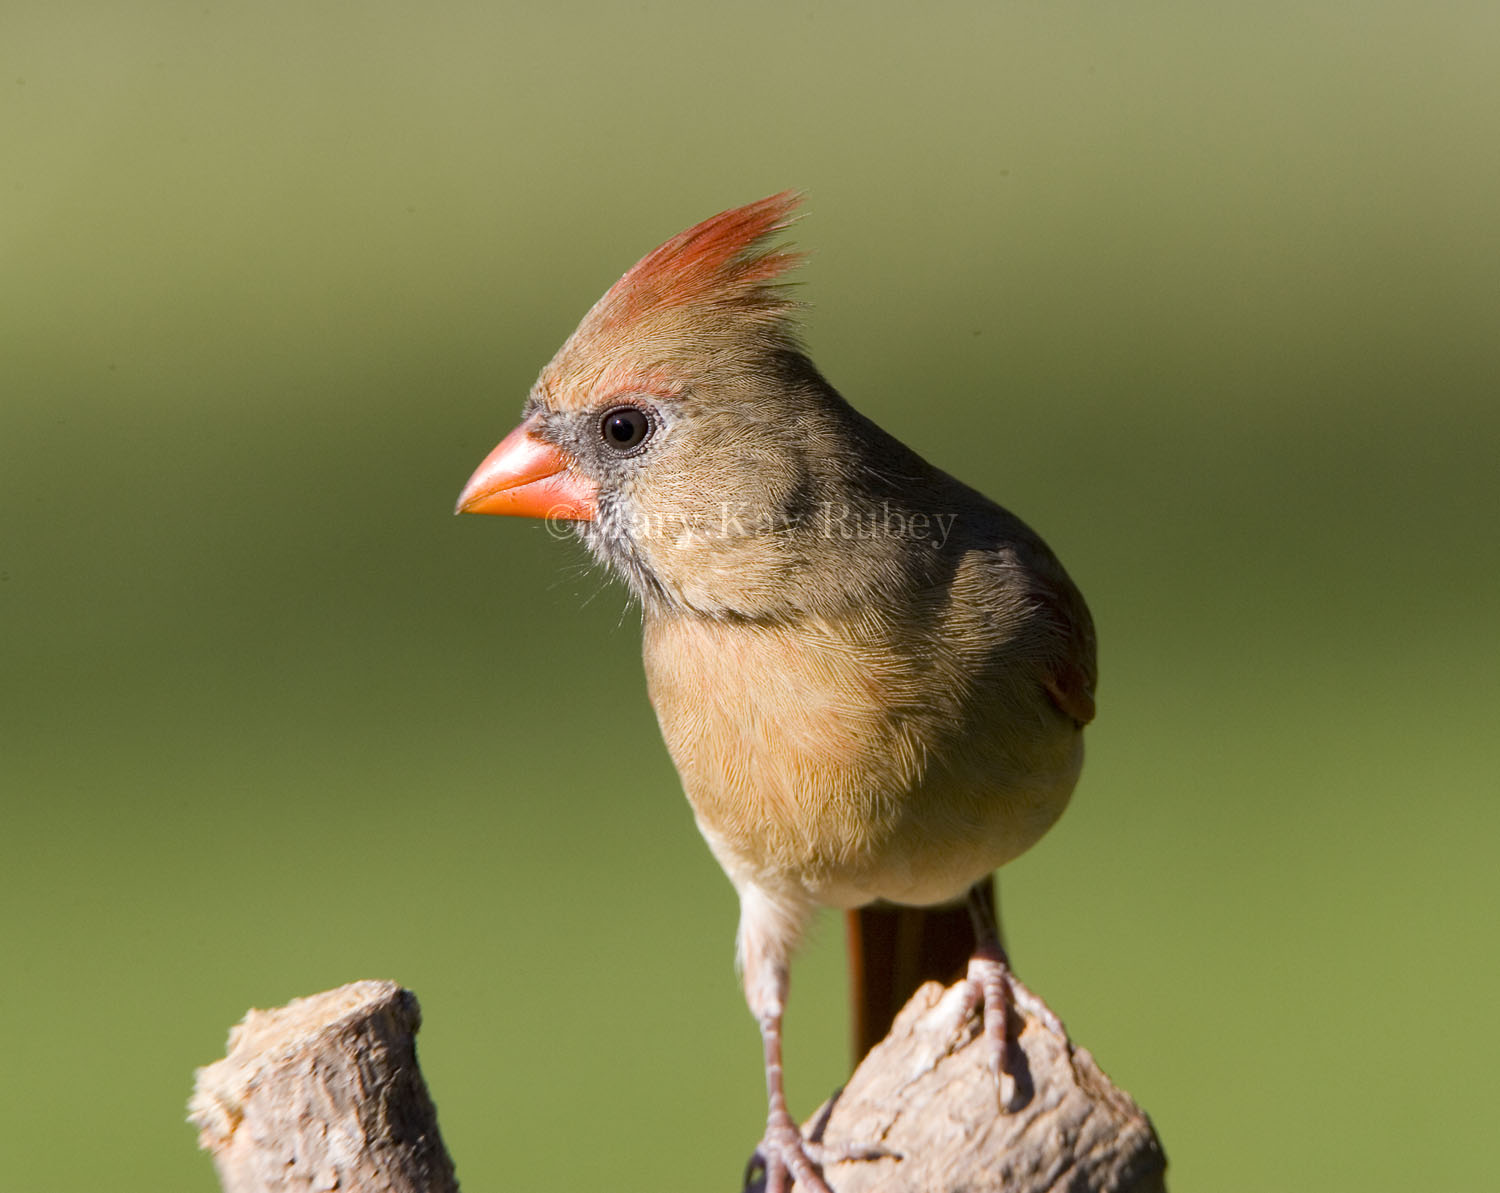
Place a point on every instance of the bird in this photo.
(872, 680)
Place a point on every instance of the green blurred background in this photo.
(1209, 295)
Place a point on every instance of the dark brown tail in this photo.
(893, 950)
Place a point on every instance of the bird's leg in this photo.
(769, 928)
(993, 985)
(782, 1150)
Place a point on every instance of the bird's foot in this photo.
(784, 1157)
(992, 986)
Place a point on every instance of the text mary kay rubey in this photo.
(829, 520)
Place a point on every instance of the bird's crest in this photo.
(724, 263)
(711, 286)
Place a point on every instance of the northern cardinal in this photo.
(872, 679)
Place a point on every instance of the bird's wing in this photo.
(1074, 670)
(1023, 588)
(1072, 692)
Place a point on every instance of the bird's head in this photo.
(678, 427)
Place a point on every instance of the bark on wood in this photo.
(925, 1098)
(324, 1094)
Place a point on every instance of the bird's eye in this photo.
(625, 427)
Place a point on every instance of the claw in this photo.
(992, 986)
(989, 987)
(786, 1157)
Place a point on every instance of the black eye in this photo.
(625, 427)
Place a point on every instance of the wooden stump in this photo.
(324, 1094)
(926, 1098)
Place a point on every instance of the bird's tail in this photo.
(893, 950)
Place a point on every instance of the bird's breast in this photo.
(823, 755)
(787, 746)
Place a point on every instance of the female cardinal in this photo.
(872, 679)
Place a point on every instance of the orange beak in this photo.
(528, 478)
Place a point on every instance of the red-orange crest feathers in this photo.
(707, 292)
(723, 262)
